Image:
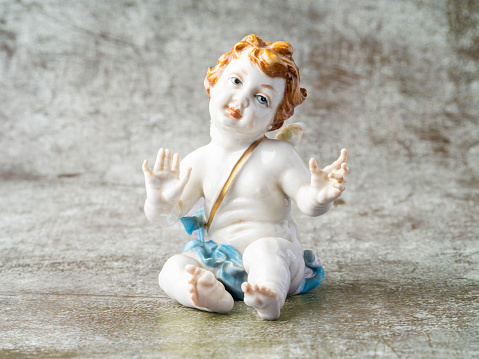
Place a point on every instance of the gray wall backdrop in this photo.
(89, 89)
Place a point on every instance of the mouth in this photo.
(233, 112)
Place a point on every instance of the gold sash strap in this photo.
(228, 182)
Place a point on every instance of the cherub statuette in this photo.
(247, 246)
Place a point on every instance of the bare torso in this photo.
(256, 205)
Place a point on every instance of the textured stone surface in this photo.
(89, 89)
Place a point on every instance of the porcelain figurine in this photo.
(250, 251)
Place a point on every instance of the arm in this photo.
(315, 191)
(169, 194)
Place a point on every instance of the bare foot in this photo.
(265, 300)
(207, 292)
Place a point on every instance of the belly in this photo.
(240, 232)
(254, 207)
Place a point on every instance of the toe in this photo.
(269, 292)
(191, 269)
(207, 279)
(246, 287)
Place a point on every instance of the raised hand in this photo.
(327, 184)
(164, 185)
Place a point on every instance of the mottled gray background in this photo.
(89, 89)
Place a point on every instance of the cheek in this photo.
(263, 114)
(216, 97)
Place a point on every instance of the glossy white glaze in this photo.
(255, 216)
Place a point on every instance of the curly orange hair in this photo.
(275, 60)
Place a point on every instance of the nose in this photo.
(240, 100)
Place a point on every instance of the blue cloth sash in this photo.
(228, 261)
(318, 272)
(225, 258)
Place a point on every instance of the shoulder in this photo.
(276, 144)
(195, 158)
(278, 148)
(284, 157)
(277, 156)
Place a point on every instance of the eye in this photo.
(262, 99)
(236, 81)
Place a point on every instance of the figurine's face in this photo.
(244, 100)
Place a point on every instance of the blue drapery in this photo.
(229, 262)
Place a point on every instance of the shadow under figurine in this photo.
(247, 242)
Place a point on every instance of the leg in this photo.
(275, 269)
(183, 279)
